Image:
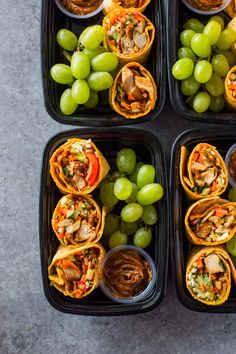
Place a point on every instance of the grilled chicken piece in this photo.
(80, 182)
(74, 227)
(213, 265)
(65, 223)
(127, 45)
(140, 39)
(137, 94)
(203, 230)
(127, 80)
(72, 274)
(84, 232)
(144, 83)
(208, 176)
(196, 166)
(140, 27)
(137, 107)
(229, 221)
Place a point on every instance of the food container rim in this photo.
(202, 12)
(79, 17)
(227, 158)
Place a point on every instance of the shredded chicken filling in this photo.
(207, 172)
(208, 278)
(80, 165)
(76, 272)
(216, 224)
(76, 220)
(134, 91)
(127, 33)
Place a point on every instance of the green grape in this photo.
(126, 160)
(189, 86)
(146, 175)
(183, 68)
(92, 36)
(203, 71)
(133, 175)
(186, 37)
(194, 25)
(219, 20)
(80, 91)
(80, 65)
(150, 194)
(67, 39)
(118, 238)
(91, 53)
(217, 103)
(232, 195)
(132, 197)
(149, 214)
(231, 58)
(231, 245)
(142, 237)
(233, 259)
(212, 31)
(129, 227)
(189, 102)
(185, 52)
(215, 86)
(67, 103)
(201, 45)
(107, 195)
(61, 73)
(112, 222)
(104, 62)
(93, 100)
(201, 102)
(131, 212)
(220, 64)
(99, 81)
(226, 39)
(122, 188)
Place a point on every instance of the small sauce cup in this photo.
(142, 256)
(230, 162)
(76, 16)
(205, 12)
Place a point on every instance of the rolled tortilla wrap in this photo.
(230, 88)
(128, 34)
(211, 221)
(133, 93)
(77, 219)
(78, 166)
(111, 5)
(203, 172)
(208, 275)
(75, 271)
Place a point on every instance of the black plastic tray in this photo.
(52, 19)
(177, 15)
(222, 139)
(109, 141)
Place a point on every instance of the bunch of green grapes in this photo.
(133, 187)
(204, 61)
(89, 70)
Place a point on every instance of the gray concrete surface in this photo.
(28, 324)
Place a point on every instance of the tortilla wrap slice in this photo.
(210, 221)
(78, 166)
(208, 275)
(231, 9)
(230, 100)
(129, 35)
(134, 92)
(74, 271)
(78, 219)
(203, 172)
(111, 5)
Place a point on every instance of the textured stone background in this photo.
(28, 324)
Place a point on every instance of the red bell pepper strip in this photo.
(93, 168)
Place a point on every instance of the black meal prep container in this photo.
(222, 139)
(109, 141)
(177, 15)
(52, 19)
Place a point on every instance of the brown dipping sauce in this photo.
(126, 274)
(206, 5)
(81, 7)
(232, 165)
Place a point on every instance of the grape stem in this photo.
(67, 55)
